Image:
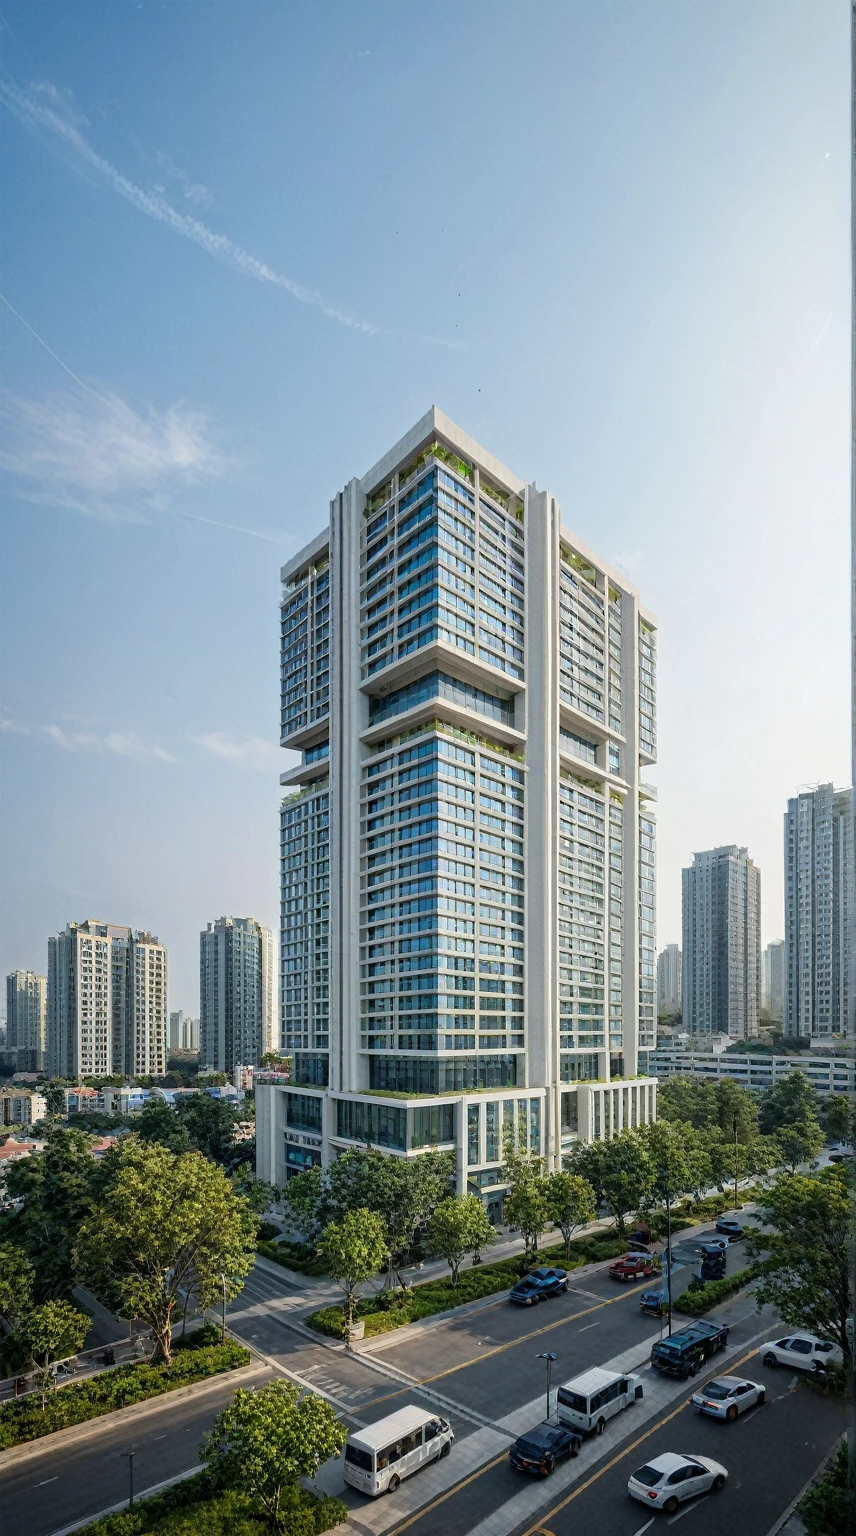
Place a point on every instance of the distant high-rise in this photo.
(26, 1019)
(773, 980)
(107, 1008)
(818, 911)
(235, 993)
(669, 979)
(183, 1032)
(722, 943)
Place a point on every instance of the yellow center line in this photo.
(498, 1349)
(540, 1529)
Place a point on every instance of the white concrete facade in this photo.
(819, 913)
(827, 1074)
(468, 875)
(107, 1002)
(235, 993)
(721, 949)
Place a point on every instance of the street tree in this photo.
(209, 1124)
(836, 1116)
(526, 1210)
(666, 1146)
(689, 1099)
(57, 1188)
(459, 1226)
(626, 1176)
(165, 1222)
(354, 1248)
(55, 1099)
(800, 1141)
(789, 1100)
(16, 1284)
(304, 1203)
(570, 1204)
(803, 1258)
(736, 1108)
(265, 1441)
(588, 1160)
(158, 1122)
(54, 1331)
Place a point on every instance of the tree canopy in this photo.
(570, 1204)
(803, 1259)
(458, 1226)
(789, 1100)
(355, 1248)
(58, 1190)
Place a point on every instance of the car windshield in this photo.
(526, 1285)
(717, 1390)
(648, 1476)
(537, 1441)
(540, 1274)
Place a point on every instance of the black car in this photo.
(729, 1228)
(540, 1448)
(538, 1285)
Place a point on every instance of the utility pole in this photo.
(130, 1455)
(549, 1357)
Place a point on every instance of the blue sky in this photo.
(257, 242)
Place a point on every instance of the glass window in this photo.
(535, 1126)
(433, 1124)
(473, 1134)
(492, 1148)
(303, 1112)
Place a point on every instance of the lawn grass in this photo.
(22, 1419)
(394, 1309)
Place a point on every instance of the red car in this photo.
(633, 1266)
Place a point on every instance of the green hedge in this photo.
(693, 1303)
(294, 1256)
(196, 1507)
(395, 1309)
(22, 1419)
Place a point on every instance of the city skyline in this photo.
(679, 388)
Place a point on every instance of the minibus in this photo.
(589, 1400)
(379, 1456)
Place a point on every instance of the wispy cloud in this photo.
(119, 743)
(253, 752)
(100, 456)
(194, 191)
(59, 120)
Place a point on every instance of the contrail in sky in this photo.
(32, 113)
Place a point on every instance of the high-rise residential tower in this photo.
(26, 1019)
(773, 980)
(669, 979)
(819, 912)
(235, 993)
(107, 1006)
(183, 1032)
(722, 943)
(468, 854)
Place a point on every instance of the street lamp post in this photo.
(549, 1357)
(736, 1155)
(669, 1259)
(130, 1455)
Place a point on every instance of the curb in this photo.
(783, 1518)
(91, 1427)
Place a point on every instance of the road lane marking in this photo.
(427, 1508)
(45, 1480)
(588, 1326)
(687, 1508)
(644, 1528)
(607, 1467)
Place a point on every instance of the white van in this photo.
(589, 1400)
(379, 1456)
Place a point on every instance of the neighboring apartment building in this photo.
(183, 1032)
(669, 979)
(107, 1005)
(721, 950)
(826, 1073)
(26, 1019)
(773, 980)
(235, 993)
(468, 854)
(818, 912)
(22, 1106)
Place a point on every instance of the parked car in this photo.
(538, 1285)
(710, 1243)
(802, 1352)
(712, 1262)
(655, 1303)
(667, 1481)
(633, 1266)
(728, 1397)
(540, 1448)
(729, 1228)
(842, 1155)
(683, 1353)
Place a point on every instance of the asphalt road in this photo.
(476, 1368)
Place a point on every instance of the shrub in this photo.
(297, 1256)
(700, 1299)
(196, 1507)
(22, 1419)
(828, 1509)
(267, 1232)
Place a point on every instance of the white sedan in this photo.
(802, 1352)
(728, 1396)
(668, 1480)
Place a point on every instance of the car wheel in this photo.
(762, 1398)
(565, 1286)
(600, 1426)
(550, 1466)
(446, 1449)
(394, 1482)
(718, 1483)
(770, 1360)
(731, 1415)
(670, 1505)
(815, 1367)
(693, 1369)
(575, 1448)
